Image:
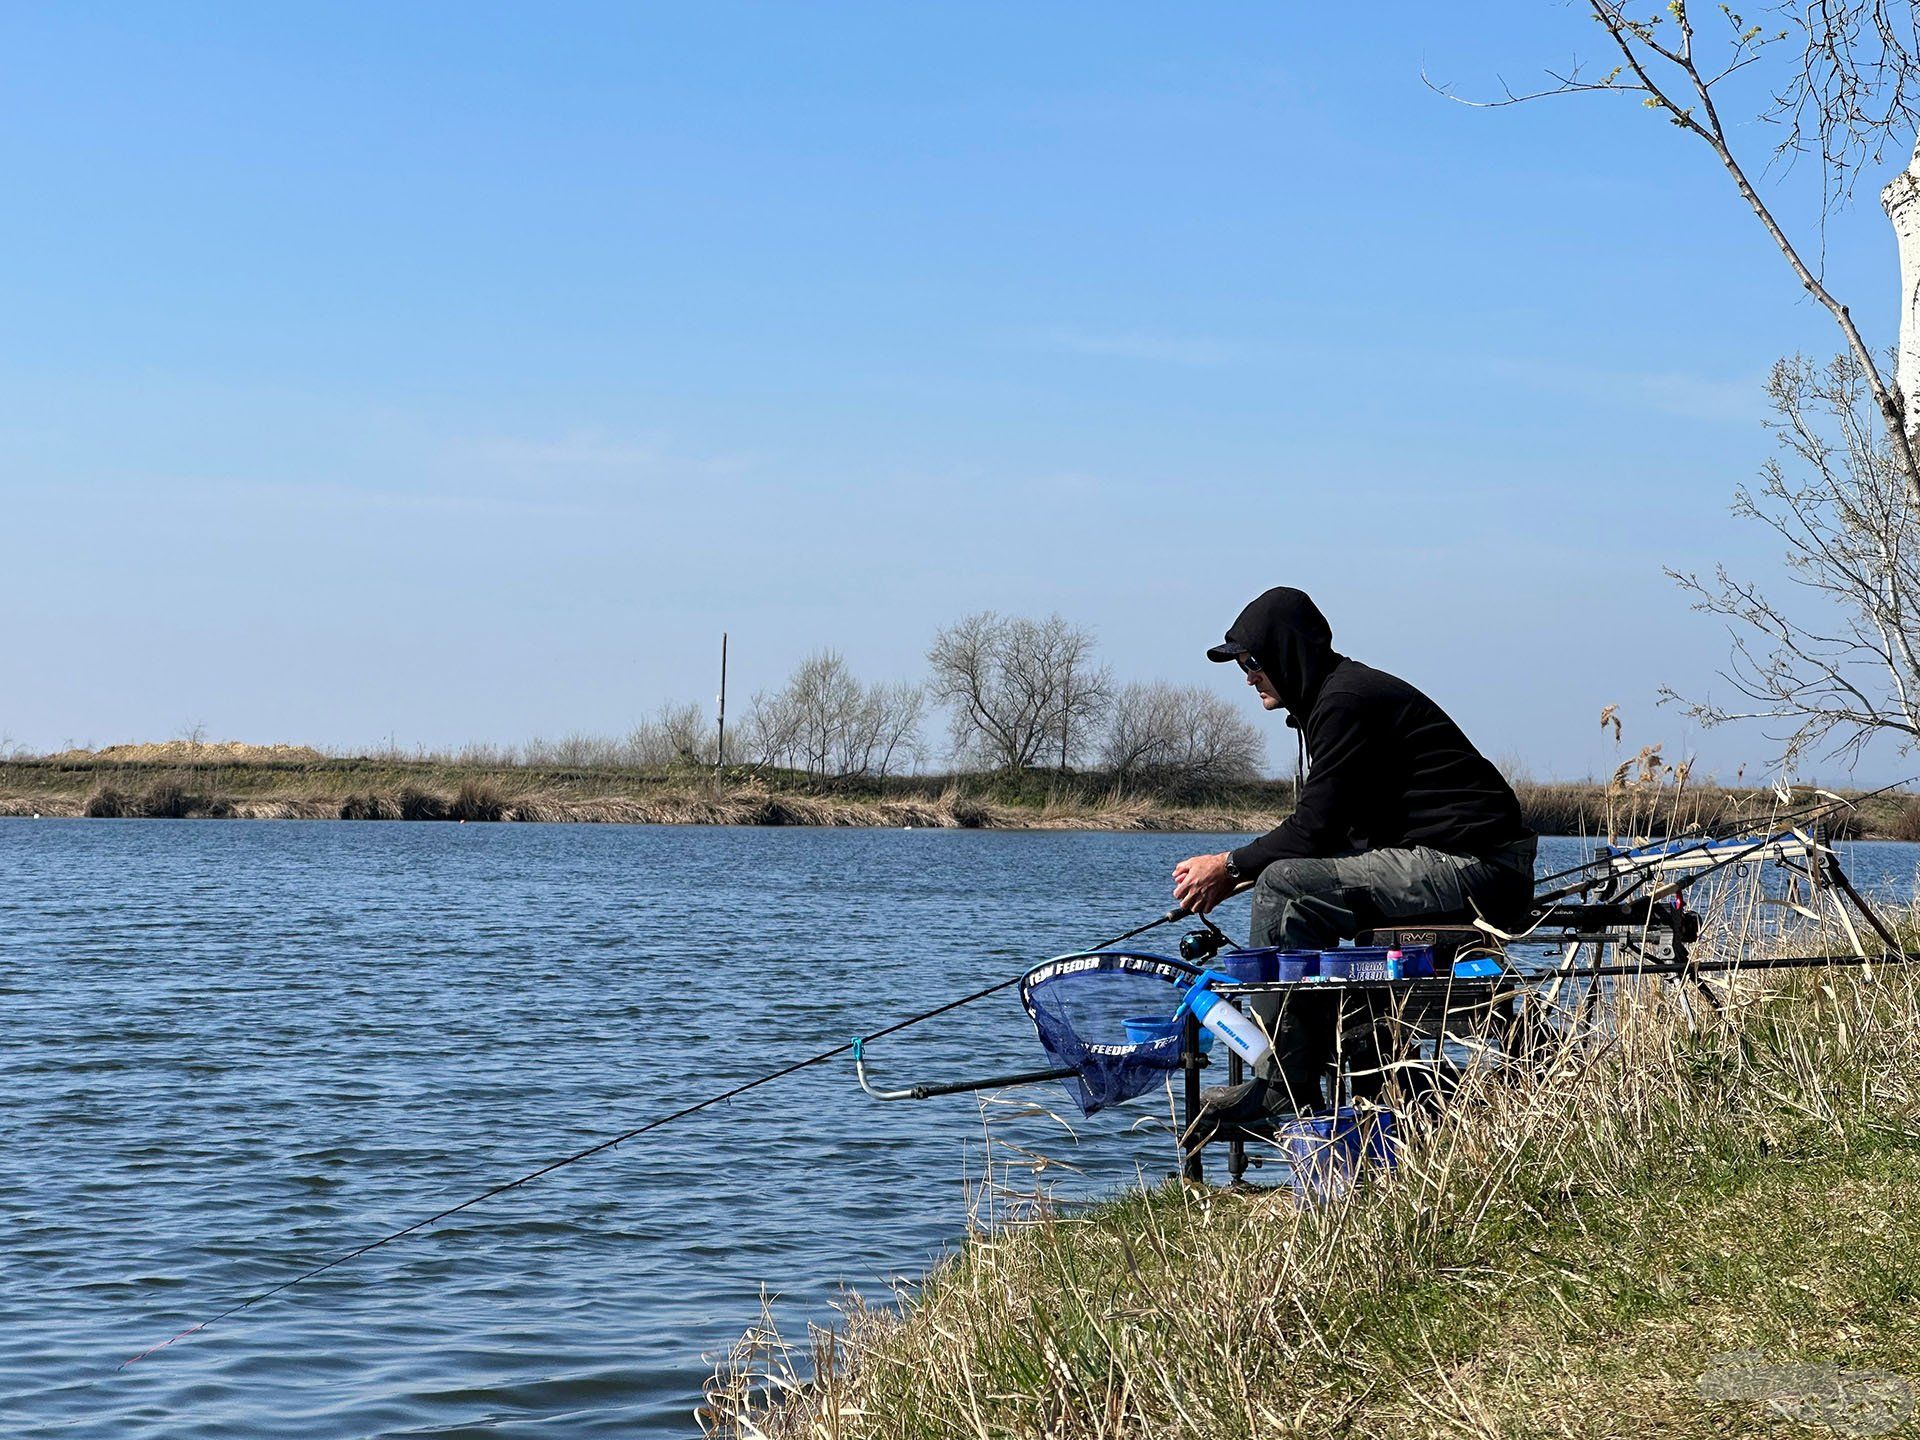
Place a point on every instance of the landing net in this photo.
(1081, 1007)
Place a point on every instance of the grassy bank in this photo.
(179, 781)
(331, 788)
(1679, 1232)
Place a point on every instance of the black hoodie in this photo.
(1387, 768)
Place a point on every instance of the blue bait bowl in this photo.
(1249, 967)
(1143, 1029)
(1296, 964)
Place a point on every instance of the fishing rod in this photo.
(852, 1046)
(1544, 905)
(1713, 839)
(1653, 862)
(1708, 838)
(1831, 802)
(1691, 966)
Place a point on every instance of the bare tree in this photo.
(1841, 92)
(1179, 738)
(1837, 95)
(829, 726)
(677, 736)
(1851, 541)
(1141, 723)
(1021, 691)
(766, 735)
(687, 733)
(894, 715)
(578, 750)
(1083, 685)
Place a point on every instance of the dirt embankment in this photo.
(195, 752)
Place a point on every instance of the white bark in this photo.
(1902, 201)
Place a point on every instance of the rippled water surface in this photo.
(234, 1050)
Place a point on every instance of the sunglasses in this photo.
(1248, 664)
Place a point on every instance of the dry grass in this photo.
(135, 792)
(1905, 821)
(1645, 798)
(1561, 1257)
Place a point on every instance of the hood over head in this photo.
(1286, 633)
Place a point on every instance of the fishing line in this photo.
(1177, 913)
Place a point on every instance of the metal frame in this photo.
(1652, 926)
(1406, 1005)
(1639, 910)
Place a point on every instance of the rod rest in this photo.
(1616, 915)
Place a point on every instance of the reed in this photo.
(1905, 823)
(366, 805)
(1645, 799)
(172, 800)
(416, 803)
(108, 802)
(478, 800)
(1561, 1257)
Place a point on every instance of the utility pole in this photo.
(721, 762)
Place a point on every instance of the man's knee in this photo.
(1289, 879)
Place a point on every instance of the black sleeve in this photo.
(1346, 753)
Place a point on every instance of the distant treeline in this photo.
(1018, 696)
(1035, 732)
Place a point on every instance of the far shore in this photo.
(180, 780)
(345, 790)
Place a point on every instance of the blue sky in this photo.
(460, 372)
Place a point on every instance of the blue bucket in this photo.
(1336, 964)
(1249, 967)
(1325, 1153)
(1296, 964)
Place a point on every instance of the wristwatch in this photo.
(1233, 869)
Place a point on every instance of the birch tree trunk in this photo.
(1901, 199)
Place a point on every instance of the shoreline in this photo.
(767, 809)
(318, 787)
(370, 789)
(1663, 1236)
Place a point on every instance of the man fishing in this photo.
(1399, 817)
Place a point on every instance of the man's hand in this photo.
(1201, 883)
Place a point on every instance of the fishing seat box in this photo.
(1452, 936)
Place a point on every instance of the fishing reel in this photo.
(1199, 946)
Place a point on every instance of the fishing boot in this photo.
(1254, 1107)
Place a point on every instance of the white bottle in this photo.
(1236, 1031)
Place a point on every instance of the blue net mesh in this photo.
(1081, 1007)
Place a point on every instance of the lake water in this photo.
(232, 1051)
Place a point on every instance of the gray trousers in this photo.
(1315, 904)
